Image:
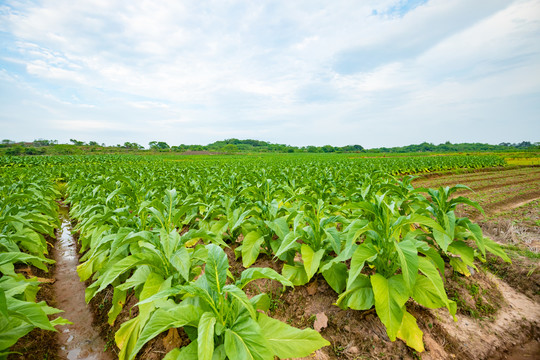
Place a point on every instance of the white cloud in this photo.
(325, 72)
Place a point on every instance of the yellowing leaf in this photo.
(410, 332)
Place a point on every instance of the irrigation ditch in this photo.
(79, 340)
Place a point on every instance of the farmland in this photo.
(234, 256)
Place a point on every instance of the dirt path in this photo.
(80, 340)
(512, 334)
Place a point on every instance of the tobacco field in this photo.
(206, 250)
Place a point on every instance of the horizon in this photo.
(385, 73)
(147, 146)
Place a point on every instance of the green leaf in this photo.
(251, 247)
(3, 304)
(244, 341)
(442, 238)
(429, 290)
(30, 312)
(435, 257)
(410, 332)
(289, 242)
(181, 261)
(390, 296)
(295, 274)
(364, 252)
(408, 258)
(496, 249)
(126, 337)
(458, 265)
(216, 267)
(336, 276)
(311, 259)
(125, 265)
(242, 298)
(159, 321)
(279, 226)
(118, 301)
(188, 352)
(15, 257)
(359, 296)
(260, 302)
(465, 252)
(174, 354)
(289, 342)
(205, 338)
(255, 273)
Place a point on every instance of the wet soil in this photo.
(79, 340)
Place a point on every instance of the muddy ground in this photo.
(498, 307)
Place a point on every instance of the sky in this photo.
(304, 72)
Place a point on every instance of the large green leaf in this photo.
(181, 261)
(364, 252)
(295, 274)
(125, 265)
(408, 258)
(465, 252)
(216, 267)
(241, 297)
(255, 273)
(118, 301)
(205, 338)
(429, 290)
(244, 341)
(288, 243)
(30, 312)
(251, 247)
(390, 296)
(336, 276)
(359, 296)
(289, 342)
(311, 259)
(159, 321)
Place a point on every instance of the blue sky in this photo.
(374, 73)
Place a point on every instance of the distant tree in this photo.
(132, 146)
(328, 148)
(6, 143)
(34, 151)
(312, 149)
(43, 142)
(523, 144)
(158, 145)
(230, 148)
(77, 142)
(15, 150)
(93, 143)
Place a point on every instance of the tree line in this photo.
(233, 145)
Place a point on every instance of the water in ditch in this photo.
(79, 340)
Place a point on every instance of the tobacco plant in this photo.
(221, 321)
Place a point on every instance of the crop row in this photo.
(28, 217)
